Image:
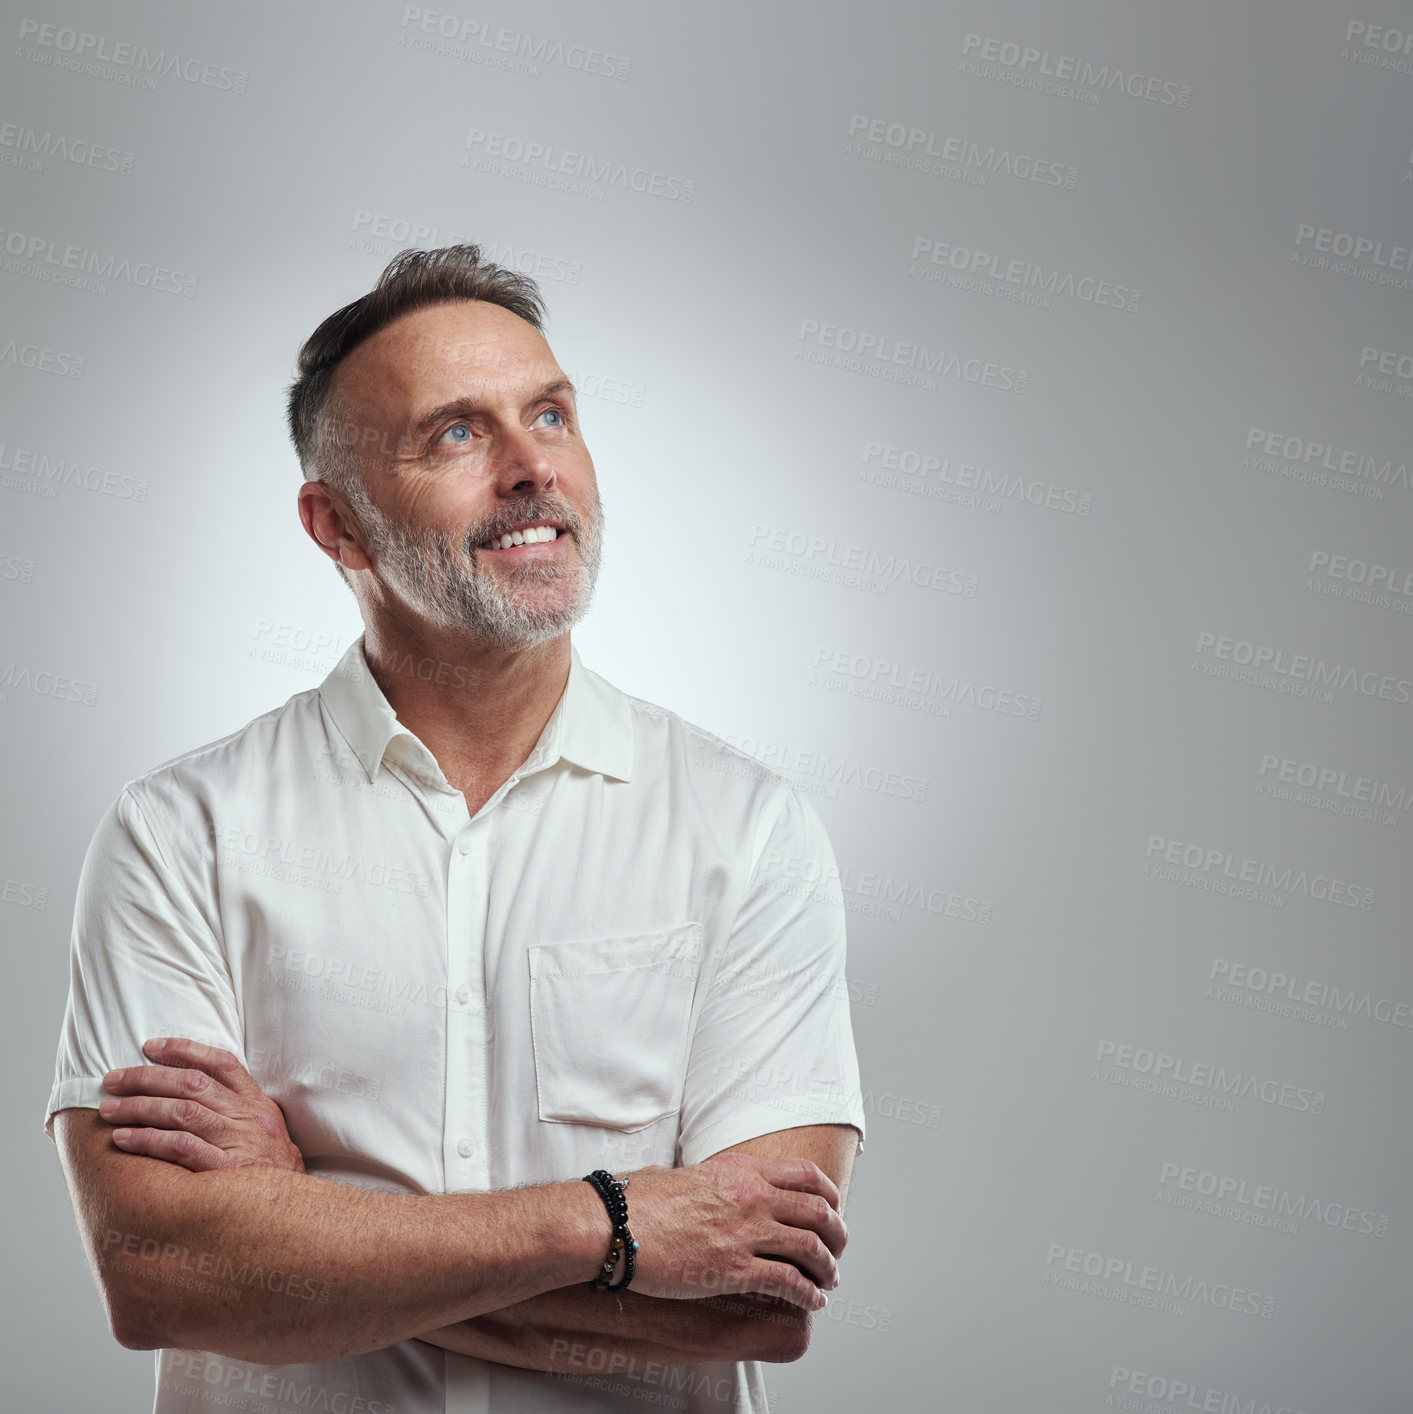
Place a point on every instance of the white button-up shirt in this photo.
(633, 954)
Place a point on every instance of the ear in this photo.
(331, 525)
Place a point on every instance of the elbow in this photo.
(133, 1321)
(769, 1329)
(132, 1337)
(787, 1342)
(143, 1316)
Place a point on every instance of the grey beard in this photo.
(450, 588)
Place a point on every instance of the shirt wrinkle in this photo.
(442, 1003)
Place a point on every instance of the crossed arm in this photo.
(548, 1332)
(502, 1276)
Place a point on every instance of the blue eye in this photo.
(554, 412)
(459, 433)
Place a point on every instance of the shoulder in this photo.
(189, 788)
(712, 773)
(663, 737)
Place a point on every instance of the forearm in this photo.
(576, 1328)
(277, 1267)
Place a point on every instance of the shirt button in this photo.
(464, 844)
(465, 1148)
(463, 994)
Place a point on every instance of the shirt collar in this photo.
(591, 725)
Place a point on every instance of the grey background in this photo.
(1005, 1147)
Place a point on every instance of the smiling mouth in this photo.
(524, 538)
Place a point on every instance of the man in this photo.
(456, 928)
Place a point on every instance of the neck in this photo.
(479, 708)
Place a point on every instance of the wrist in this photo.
(622, 1252)
(587, 1229)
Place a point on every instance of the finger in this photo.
(161, 1113)
(220, 1065)
(809, 1210)
(802, 1175)
(805, 1250)
(174, 1083)
(787, 1283)
(174, 1145)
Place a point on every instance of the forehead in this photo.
(446, 351)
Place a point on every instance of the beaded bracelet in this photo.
(610, 1189)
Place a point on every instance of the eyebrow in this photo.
(462, 407)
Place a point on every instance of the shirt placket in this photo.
(466, 1118)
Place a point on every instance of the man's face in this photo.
(469, 431)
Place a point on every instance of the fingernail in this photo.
(121, 1136)
(107, 1106)
(112, 1078)
(158, 1045)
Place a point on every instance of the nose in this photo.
(522, 464)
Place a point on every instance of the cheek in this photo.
(578, 479)
(449, 505)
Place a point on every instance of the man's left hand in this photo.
(196, 1106)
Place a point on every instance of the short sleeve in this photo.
(773, 1046)
(144, 961)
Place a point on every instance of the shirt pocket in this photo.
(610, 1023)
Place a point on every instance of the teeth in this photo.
(533, 536)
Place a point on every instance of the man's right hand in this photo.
(737, 1223)
(732, 1224)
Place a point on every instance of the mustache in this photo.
(504, 521)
